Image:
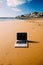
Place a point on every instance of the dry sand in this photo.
(33, 55)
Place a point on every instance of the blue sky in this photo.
(17, 7)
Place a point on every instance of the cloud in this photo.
(16, 9)
(1, 1)
(14, 3)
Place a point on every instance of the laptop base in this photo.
(21, 45)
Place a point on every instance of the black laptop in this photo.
(21, 40)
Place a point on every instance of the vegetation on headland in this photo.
(31, 15)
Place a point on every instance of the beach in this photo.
(33, 55)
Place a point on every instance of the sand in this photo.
(33, 55)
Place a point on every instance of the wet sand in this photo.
(33, 55)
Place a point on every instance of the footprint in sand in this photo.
(7, 53)
(2, 64)
(40, 24)
(9, 64)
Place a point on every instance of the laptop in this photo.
(21, 40)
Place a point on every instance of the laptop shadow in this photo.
(35, 42)
(32, 41)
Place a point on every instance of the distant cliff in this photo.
(31, 15)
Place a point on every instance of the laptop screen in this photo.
(21, 36)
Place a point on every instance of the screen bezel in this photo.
(22, 38)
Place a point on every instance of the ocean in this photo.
(7, 19)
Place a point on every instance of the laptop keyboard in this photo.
(20, 42)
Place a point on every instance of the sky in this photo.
(12, 8)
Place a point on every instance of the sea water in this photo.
(8, 19)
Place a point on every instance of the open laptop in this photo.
(21, 40)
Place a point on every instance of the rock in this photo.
(31, 15)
